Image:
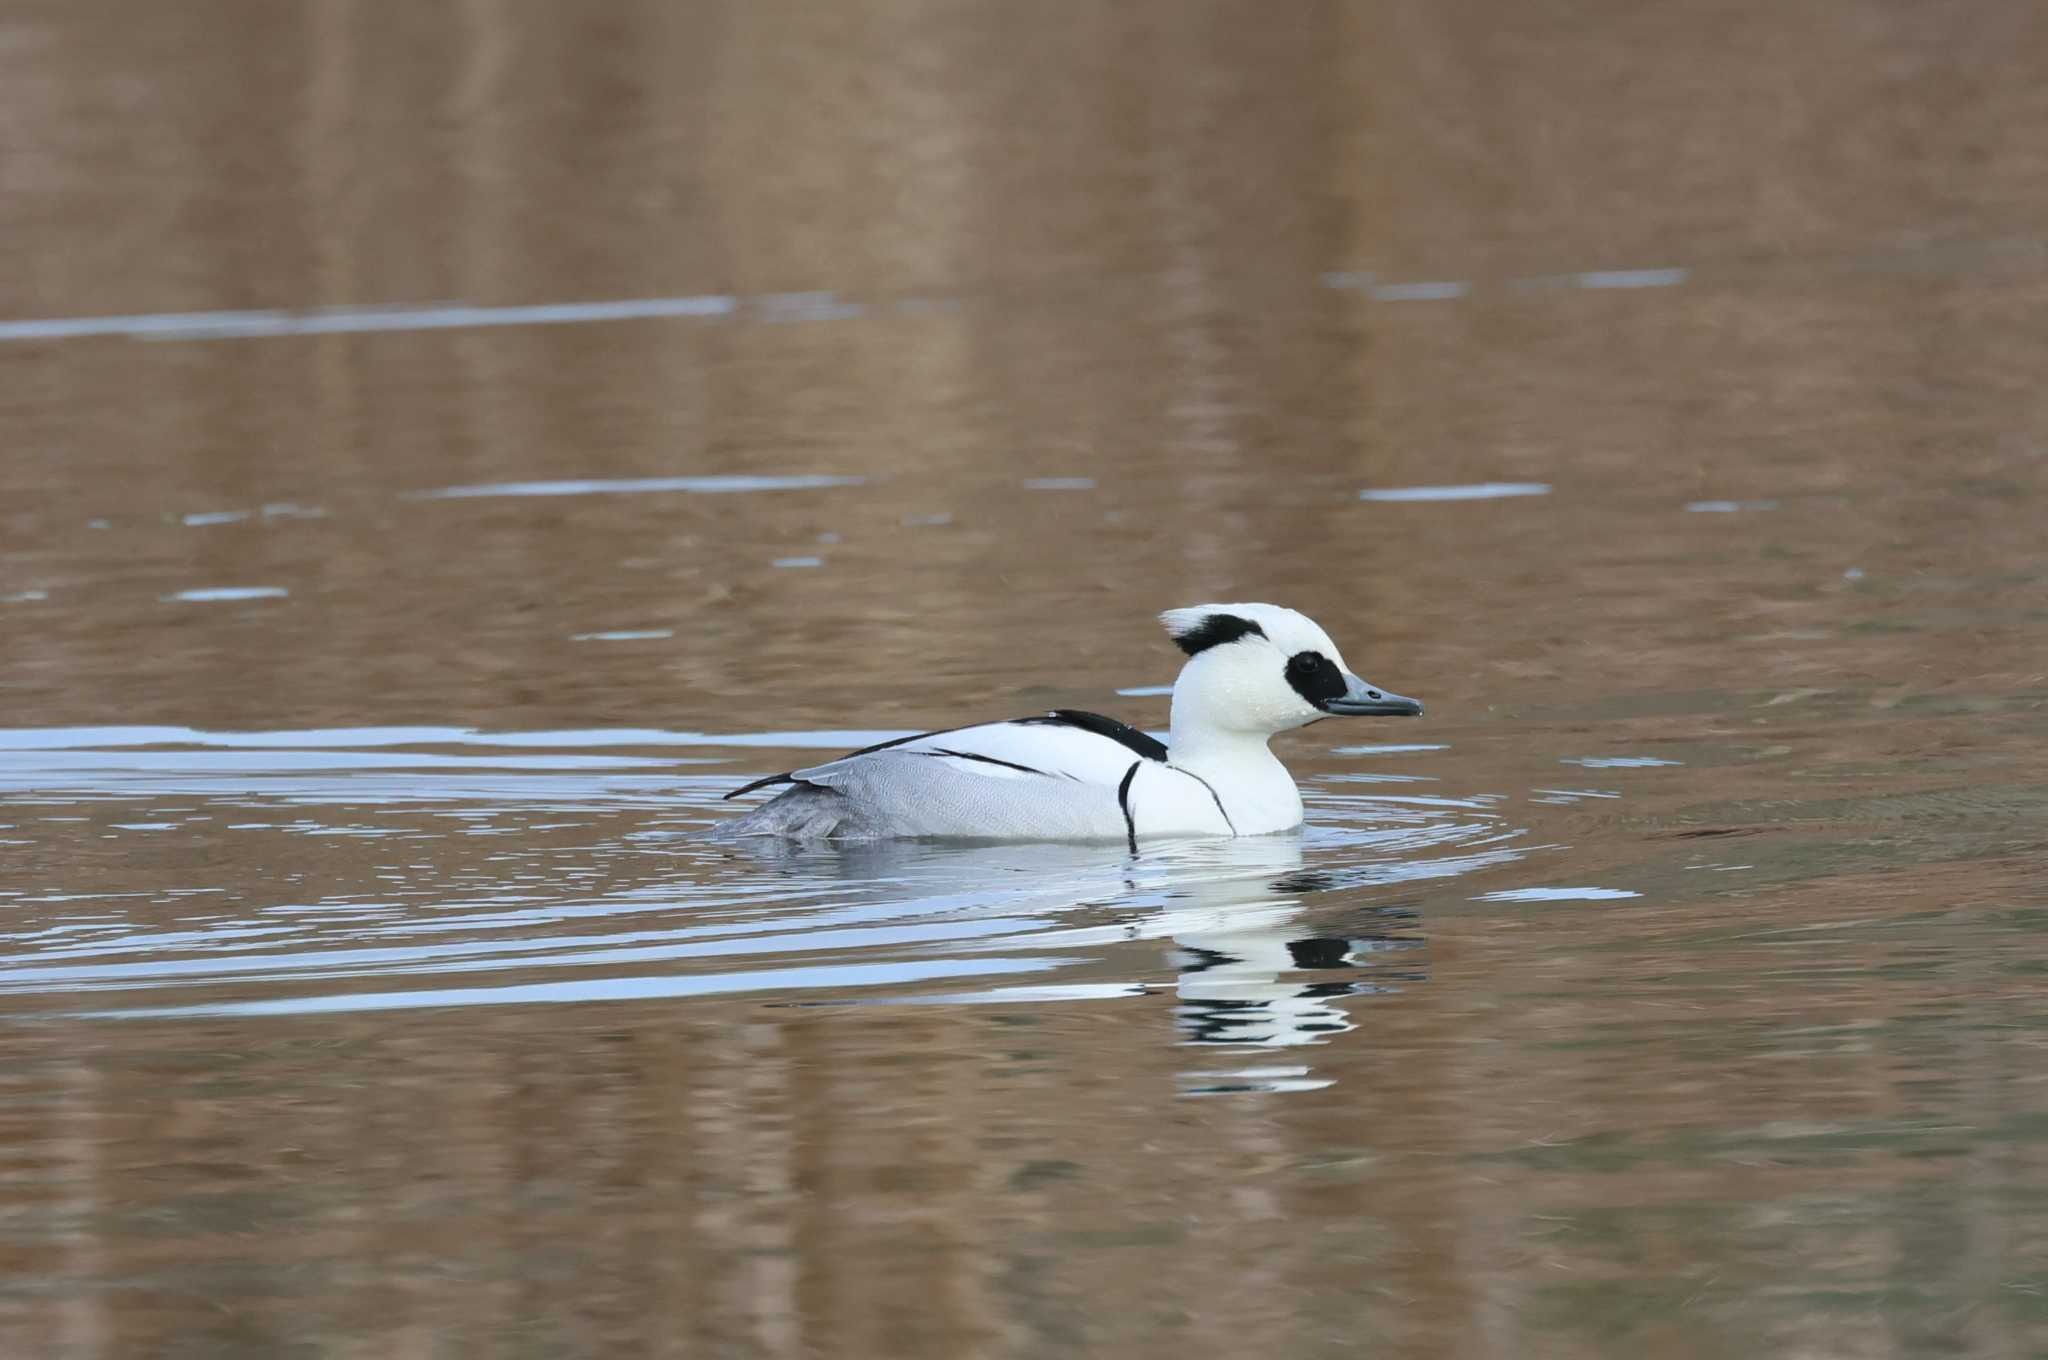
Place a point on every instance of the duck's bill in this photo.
(1360, 700)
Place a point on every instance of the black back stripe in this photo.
(1214, 630)
(1123, 734)
(1123, 800)
(894, 741)
(1212, 793)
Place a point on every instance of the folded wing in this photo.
(1053, 776)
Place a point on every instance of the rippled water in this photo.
(509, 873)
(449, 450)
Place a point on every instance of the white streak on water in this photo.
(276, 510)
(1475, 491)
(625, 635)
(1381, 779)
(211, 594)
(785, 307)
(624, 486)
(1617, 762)
(360, 320)
(610, 989)
(1439, 291)
(791, 307)
(1633, 278)
(99, 738)
(284, 761)
(1555, 895)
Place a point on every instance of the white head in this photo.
(1257, 669)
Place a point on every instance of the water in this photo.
(447, 451)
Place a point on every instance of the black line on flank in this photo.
(1123, 800)
(986, 760)
(1212, 793)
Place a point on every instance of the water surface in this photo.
(447, 451)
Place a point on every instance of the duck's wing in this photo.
(1065, 744)
(1057, 777)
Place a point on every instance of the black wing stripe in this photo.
(1123, 800)
(763, 783)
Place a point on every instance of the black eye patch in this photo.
(1315, 677)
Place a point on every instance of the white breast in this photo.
(1164, 801)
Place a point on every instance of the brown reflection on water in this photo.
(1782, 1102)
(1797, 1143)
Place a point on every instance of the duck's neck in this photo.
(1257, 793)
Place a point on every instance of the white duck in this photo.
(1252, 670)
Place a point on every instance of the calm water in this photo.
(449, 447)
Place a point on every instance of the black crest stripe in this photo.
(1214, 630)
(1123, 800)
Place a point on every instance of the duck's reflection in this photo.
(1272, 987)
(1253, 975)
(1258, 963)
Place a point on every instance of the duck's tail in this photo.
(802, 812)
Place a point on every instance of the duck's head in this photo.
(1260, 669)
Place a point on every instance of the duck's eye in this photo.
(1314, 677)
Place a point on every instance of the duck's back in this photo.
(1062, 776)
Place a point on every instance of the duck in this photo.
(1252, 672)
